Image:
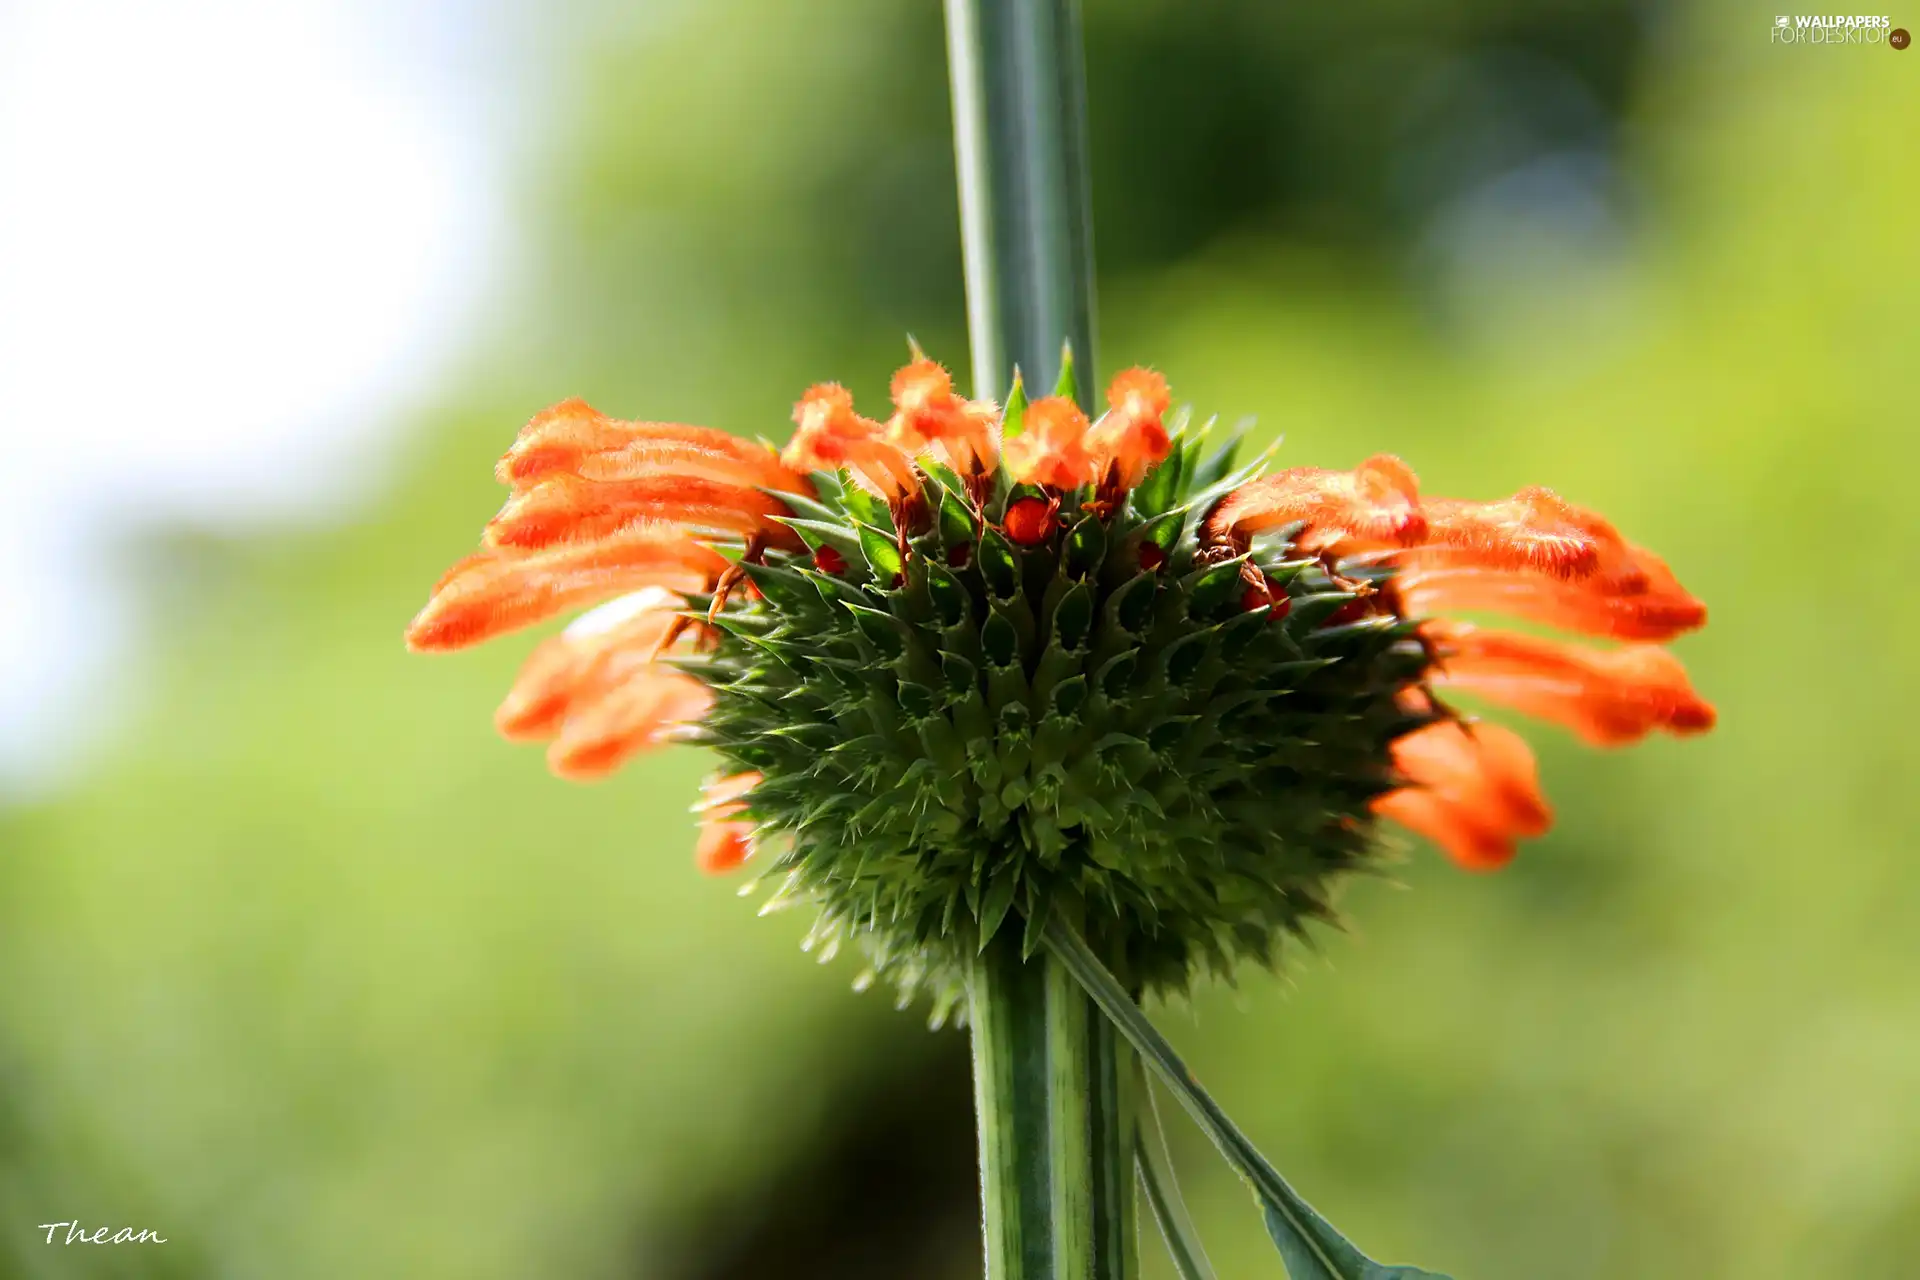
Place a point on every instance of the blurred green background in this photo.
(312, 973)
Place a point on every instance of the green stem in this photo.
(1053, 1082)
(1055, 1092)
(1007, 1010)
(1020, 138)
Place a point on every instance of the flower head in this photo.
(959, 684)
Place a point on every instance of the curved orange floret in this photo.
(726, 840)
(1052, 448)
(582, 664)
(1653, 605)
(831, 435)
(642, 710)
(562, 507)
(494, 592)
(1374, 507)
(1533, 555)
(1475, 792)
(1131, 437)
(929, 415)
(574, 437)
(1609, 697)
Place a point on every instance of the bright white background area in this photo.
(235, 237)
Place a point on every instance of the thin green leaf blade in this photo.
(1307, 1260)
(1162, 1194)
(1308, 1243)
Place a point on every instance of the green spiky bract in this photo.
(960, 735)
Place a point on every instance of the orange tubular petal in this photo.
(556, 439)
(1607, 697)
(635, 714)
(725, 841)
(565, 508)
(1660, 610)
(492, 593)
(1376, 506)
(1474, 792)
(1131, 438)
(831, 435)
(573, 438)
(723, 846)
(929, 415)
(1052, 449)
(598, 650)
(745, 464)
(1535, 530)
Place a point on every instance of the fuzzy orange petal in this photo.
(1131, 438)
(1475, 792)
(571, 670)
(725, 840)
(639, 712)
(562, 507)
(928, 415)
(495, 592)
(723, 845)
(831, 435)
(1535, 530)
(1375, 506)
(1607, 697)
(1659, 610)
(745, 464)
(1051, 449)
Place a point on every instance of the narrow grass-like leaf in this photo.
(1157, 1183)
(1308, 1243)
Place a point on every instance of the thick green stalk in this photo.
(1020, 137)
(1007, 1009)
(1053, 1082)
(1054, 1093)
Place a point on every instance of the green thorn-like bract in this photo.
(965, 738)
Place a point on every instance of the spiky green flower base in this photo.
(961, 735)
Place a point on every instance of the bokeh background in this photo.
(305, 969)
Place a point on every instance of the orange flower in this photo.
(562, 507)
(832, 436)
(1052, 450)
(726, 840)
(496, 591)
(606, 725)
(1375, 506)
(1651, 606)
(573, 437)
(1130, 439)
(605, 510)
(580, 476)
(1534, 555)
(624, 515)
(966, 433)
(597, 652)
(1609, 697)
(1474, 792)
